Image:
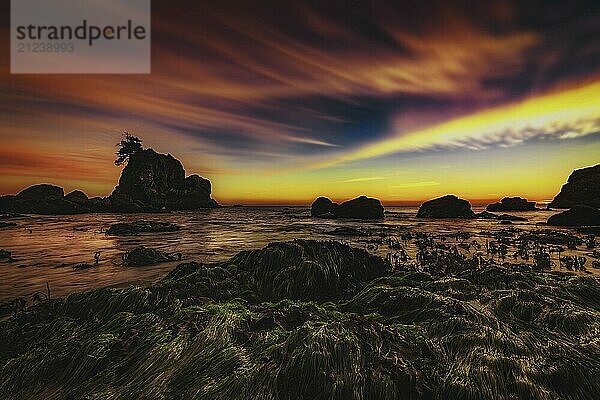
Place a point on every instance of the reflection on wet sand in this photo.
(46, 248)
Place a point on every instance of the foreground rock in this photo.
(152, 181)
(582, 188)
(4, 254)
(448, 206)
(512, 204)
(145, 256)
(302, 269)
(137, 227)
(359, 208)
(576, 216)
(311, 320)
(499, 217)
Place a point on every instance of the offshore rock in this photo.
(512, 204)
(40, 199)
(152, 181)
(576, 216)
(448, 206)
(359, 208)
(582, 188)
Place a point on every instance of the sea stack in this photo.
(154, 181)
(150, 182)
(449, 206)
(362, 207)
(512, 204)
(582, 188)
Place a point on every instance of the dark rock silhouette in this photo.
(42, 192)
(77, 197)
(137, 227)
(40, 199)
(322, 206)
(582, 188)
(144, 256)
(448, 206)
(359, 208)
(152, 181)
(346, 231)
(576, 216)
(500, 217)
(512, 204)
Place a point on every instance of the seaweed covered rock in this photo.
(137, 227)
(576, 216)
(582, 188)
(448, 206)
(512, 204)
(359, 208)
(144, 256)
(482, 333)
(307, 269)
(157, 181)
(302, 269)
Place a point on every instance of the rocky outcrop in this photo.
(322, 207)
(582, 188)
(144, 256)
(40, 199)
(499, 217)
(576, 216)
(359, 208)
(448, 206)
(137, 227)
(77, 197)
(153, 181)
(512, 204)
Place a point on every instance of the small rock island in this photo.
(150, 182)
(362, 207)
(449, 206)
(512, 204)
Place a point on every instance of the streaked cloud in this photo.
(259, 94)
(561, 115)
(410, 185)
(365, 179)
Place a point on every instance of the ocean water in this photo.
(45, 248)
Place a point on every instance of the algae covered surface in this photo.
(313, 320)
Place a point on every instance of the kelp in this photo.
(312, 320)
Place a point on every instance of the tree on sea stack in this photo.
(127, 147)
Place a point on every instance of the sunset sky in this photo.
(281, 101)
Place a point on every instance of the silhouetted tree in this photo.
(129, 145)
